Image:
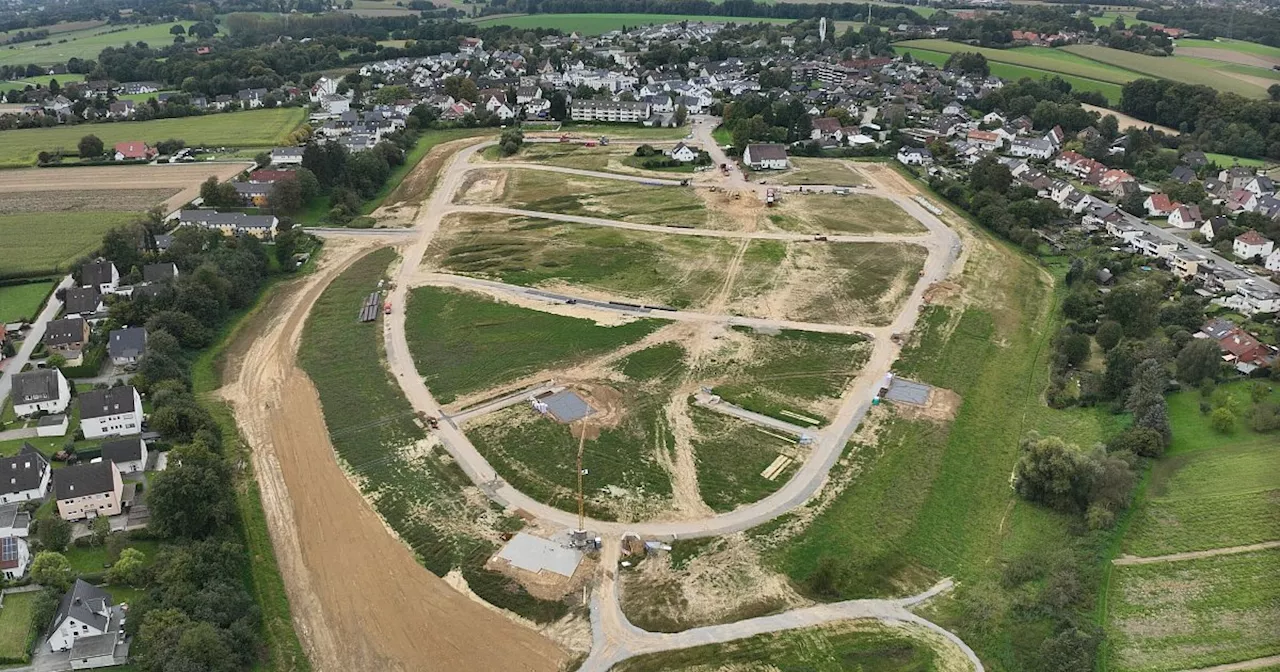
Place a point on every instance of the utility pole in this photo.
(582, 439)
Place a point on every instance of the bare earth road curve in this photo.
(359, 598)
(1193, 555)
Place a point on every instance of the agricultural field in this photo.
(1109, 90)
(1238, 46)
(50, 244)
(819, 171)
(416, 487)
(619, 159)
(245, 129)
(464, 343)
(21, 84)
(137, 200)
(23, 302)
(865, 646)
(16, 625)
(85, 44)
(1167, 68)
(1049, 60)
(1194, 613)
(854, 213)
(680, 271)
(733, 457)
(586, 196)
(595, 24)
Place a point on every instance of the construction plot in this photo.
(545, 191)
(805, 171)
(617, 158)
(739, 462)
(535, 554)
(908, 392)
(850, 213)
(565, 406)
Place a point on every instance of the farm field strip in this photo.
(53, 243)
(85, 44)
(1036, 59)
(1109, 90)
(22, 302)
(1165, 68)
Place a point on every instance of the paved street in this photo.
(34, 334)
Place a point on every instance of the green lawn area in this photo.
(85, 44)
(732, 454)
(93, 559)
(679, 271)
(251, 128)
(464, 343)
(610, 159)
(1224, 66)
(1232, 45)
(16, 625)
(1111, 91)
(1167, 68)
(628, 131)
(1194, 613)
(860, 646)
(419, 494)
(597, 197)
(22, 302)
(50, 242)
(1227, 160)
(595, 24)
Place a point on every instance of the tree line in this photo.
(737, 8)
(1207, 119)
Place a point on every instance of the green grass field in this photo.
(595, 24)
(1049, 60)
(819, 171)
(464, 343)
(1194, 613)
(1167, 68)
(16, 625)
(253, 129)
(22, 302)
(853, 646)
(49, 243)
(370, 423)
(1232, 45)
(732, 455)
(1109, 90)
(85, 44)
(1222, 66)
(599, 197)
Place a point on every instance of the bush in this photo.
(1222, 420)
(1140, 441)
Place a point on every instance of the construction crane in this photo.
(582, 439)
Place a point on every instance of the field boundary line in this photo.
(1256, 663)
(1195, 555)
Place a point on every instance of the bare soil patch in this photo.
(18, 202)
(941, 406)
(181, 180)
(1127, 122)
(401, 205)
(326, 534)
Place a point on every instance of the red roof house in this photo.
(136, 149)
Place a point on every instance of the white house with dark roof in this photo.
(101, 275)
(683, 153)
(83, 302)
(126, 346)
(86, 491)
(113, 412)
(90, 625)
(129, 455)
(15, 554)
(42, 390)
(766, 156)
(24, 476)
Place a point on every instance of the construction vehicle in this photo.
(684, 182)
(386, 308)
(564, 138)
(604, 141)
(433, 422)
(770, 197)
(724, 168)
(590, 143)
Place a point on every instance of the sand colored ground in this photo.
(185, 178)
(359, 599)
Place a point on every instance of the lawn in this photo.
(627, 131)
(1167, 68)
(1194, 613)
(864, 646)
(95, 559)
(595, 24)
(1111, 91)
(85, 44)
(1227, 160)
(611, 159)
(23, 302)
(50, 243)
(464, 343)
(15, 625)
(732, 454)
(679, 271)
(419, 494)
(594, 197)
(854, 213)
(1225, 66)
(819, 171)
(252, 128)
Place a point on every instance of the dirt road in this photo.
(1194, 555)
(360, 600)
(184, 176)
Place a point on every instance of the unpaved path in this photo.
(360, 600)
(1127, 122)
(1227, 56)
(1193, 555)
(1255, 664)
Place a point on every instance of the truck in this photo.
(590, 143)
(724, 168)
(386, 308)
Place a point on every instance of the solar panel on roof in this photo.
(8, 549)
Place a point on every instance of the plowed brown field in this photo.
(182, 178)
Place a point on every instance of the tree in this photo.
(1141, 441)
(1199, 360)
(1052, 472)
(461, 88)
(1222, 420)
(191, 499)
(510, 141)
(52, 570)
(559, 109)
(99, 529)
(1074, 348)
(1146, 398)
(1136, 306)
(286, 196)
(969, 63)
(1109, 334)
(263, 159)
(177, 29)
(54, 533)
(90, 147)
(682, 113)
(129, 569)
(989, 174)
(219, 194)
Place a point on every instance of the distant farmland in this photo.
(1010, 71)
(1178, 70)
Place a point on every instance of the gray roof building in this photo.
(128, 343)
(34, 387)
(83, 300)
(125, 450)
(86, 603)
(101, 403)
(22, 472)
(70, 331)
(159, 272)
(83, 479)
(98, 273)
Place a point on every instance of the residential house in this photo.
(1033, 148)
(230, 223)
(67, 337)
(1159, 205)
(1251, 244)
(1183, 174)
(161, 272)
(255, 194)
(985, 139)
(135, 150)
(40, 391)
(129, 455)
(15, 555)
(1194, 159)
(1211, 227)
(286, 156)
(100, 274)
(112, 412)
(90, 626)
(88, 490)
(1272, 262)
(915, 156)
(1153, 246)
(827, 128)
(24, 476)
(1185, 264)
(766, 156)
(120, 109)
(126, 346)
(614, 111)
(683, 153)
(84, 302)
(1185, 217)
(1240, 348)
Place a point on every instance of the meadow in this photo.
(819, 171)
(1110, 91)
(1232, 45)
(595, 24)
(463, 343)
(85, 43)
(1167, 68)
(23, 302)
(853, 213)
(246, 129)
(370, 422)
(732, 454)
(51, 242)
(597, 197)
(1048, 60)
